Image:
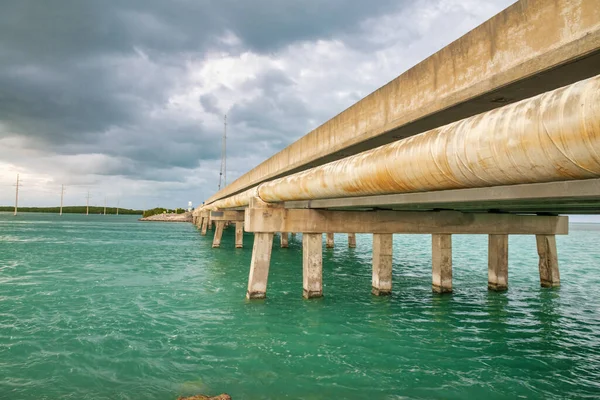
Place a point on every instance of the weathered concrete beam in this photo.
(382, 264)
(239, 234)
(498, 262)
(549, 273)
(204, 225)
(259, 266)
(449, 222)
(441, 259)
(284, 243)
(220, 225)
(312, 265)
(227, 215)
(329, 240)
(570, 194)
(352, 240)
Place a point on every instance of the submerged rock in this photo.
(223, 396)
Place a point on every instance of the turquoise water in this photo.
(105, 307)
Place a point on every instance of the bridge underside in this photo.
(567, 197)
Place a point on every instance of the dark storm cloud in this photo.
(76, 73)
(209, 103)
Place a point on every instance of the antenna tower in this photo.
(17, 194)
(62, 194)
(87, 203)
(223, 172)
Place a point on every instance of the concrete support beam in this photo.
(441, 263)
(218, 234)
(261, 253)
(227, 215)
(284, 240)
(329, 240)
(259, 266)
(352, 240)
(428, 222)
(382, 264)
(546, 248)
(312, 265)
(239, 234)
(498, 262)
(204, 226)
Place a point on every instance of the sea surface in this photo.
(106, 307)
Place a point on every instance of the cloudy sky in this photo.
(126, 98)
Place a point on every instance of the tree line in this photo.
(74, 210)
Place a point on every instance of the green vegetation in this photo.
(74, 210)
(159, 210)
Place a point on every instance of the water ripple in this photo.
(108, 308)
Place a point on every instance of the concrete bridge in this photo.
(498, 134)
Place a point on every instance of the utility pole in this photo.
(104, 205)
(62, 194)
(17, 195)
(223, 173)
(87, 203)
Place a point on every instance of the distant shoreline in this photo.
(72, 210)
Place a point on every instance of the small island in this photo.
(166, 215)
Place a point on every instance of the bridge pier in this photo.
(259, 266)
(352, 240)
(312, 265)
(329, 240)
(204, 222)
(265, 219)
(498, 262)
(239, 234)
(204, 226)
(441, 259)
(382, 264)
(223, 219)
(548, 264)
(283, 240)
(220, 225)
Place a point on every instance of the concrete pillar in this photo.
(498, 262)
(209, 224)
(259, 266)
(218, 234)
(382, 264)
(442, 263)
(546, 248)
(352, 240)
(239, 234)
(329, 240)
(204, 225)
(284, 240)
(312, 265)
